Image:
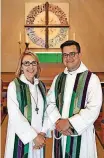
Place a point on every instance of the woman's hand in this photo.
(43, 134)
(39, 141)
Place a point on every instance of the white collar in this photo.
(81, 68)
(24, 79)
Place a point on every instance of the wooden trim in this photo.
(54, 25)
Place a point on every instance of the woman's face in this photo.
(29, 67)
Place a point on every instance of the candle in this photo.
(74, 36)
(20, 37)
(27, 40)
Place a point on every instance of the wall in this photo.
(86, 20)
(88, 23)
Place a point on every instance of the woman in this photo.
(27, 124)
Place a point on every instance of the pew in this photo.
(48, 72)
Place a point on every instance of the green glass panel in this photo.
(50, 57)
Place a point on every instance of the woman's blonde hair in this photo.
(28, 52)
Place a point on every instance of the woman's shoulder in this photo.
(14, 83)
(11, 86)
(41, 83)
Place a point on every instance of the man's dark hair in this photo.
(69, 43)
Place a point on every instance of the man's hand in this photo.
(39, 141)
(68, 132)
(63, 125)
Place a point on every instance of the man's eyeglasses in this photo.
(27, 63)
(71, 54)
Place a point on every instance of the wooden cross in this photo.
(47, 26)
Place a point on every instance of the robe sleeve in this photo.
(93, 103)
(46, 126)
(17, 120)
(52, 110)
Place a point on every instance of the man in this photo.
(74, 100)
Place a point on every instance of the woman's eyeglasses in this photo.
(27, 63)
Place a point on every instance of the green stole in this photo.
(24, 99)
(77, 103)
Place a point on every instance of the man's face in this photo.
(71, 58)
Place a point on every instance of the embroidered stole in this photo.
(24, 99)
(77, 103)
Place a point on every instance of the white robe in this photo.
(18, 124)
(82, 122)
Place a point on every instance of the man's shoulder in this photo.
(94, 78)
(93, 74)
(59, 75)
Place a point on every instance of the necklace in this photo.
(36, 103)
